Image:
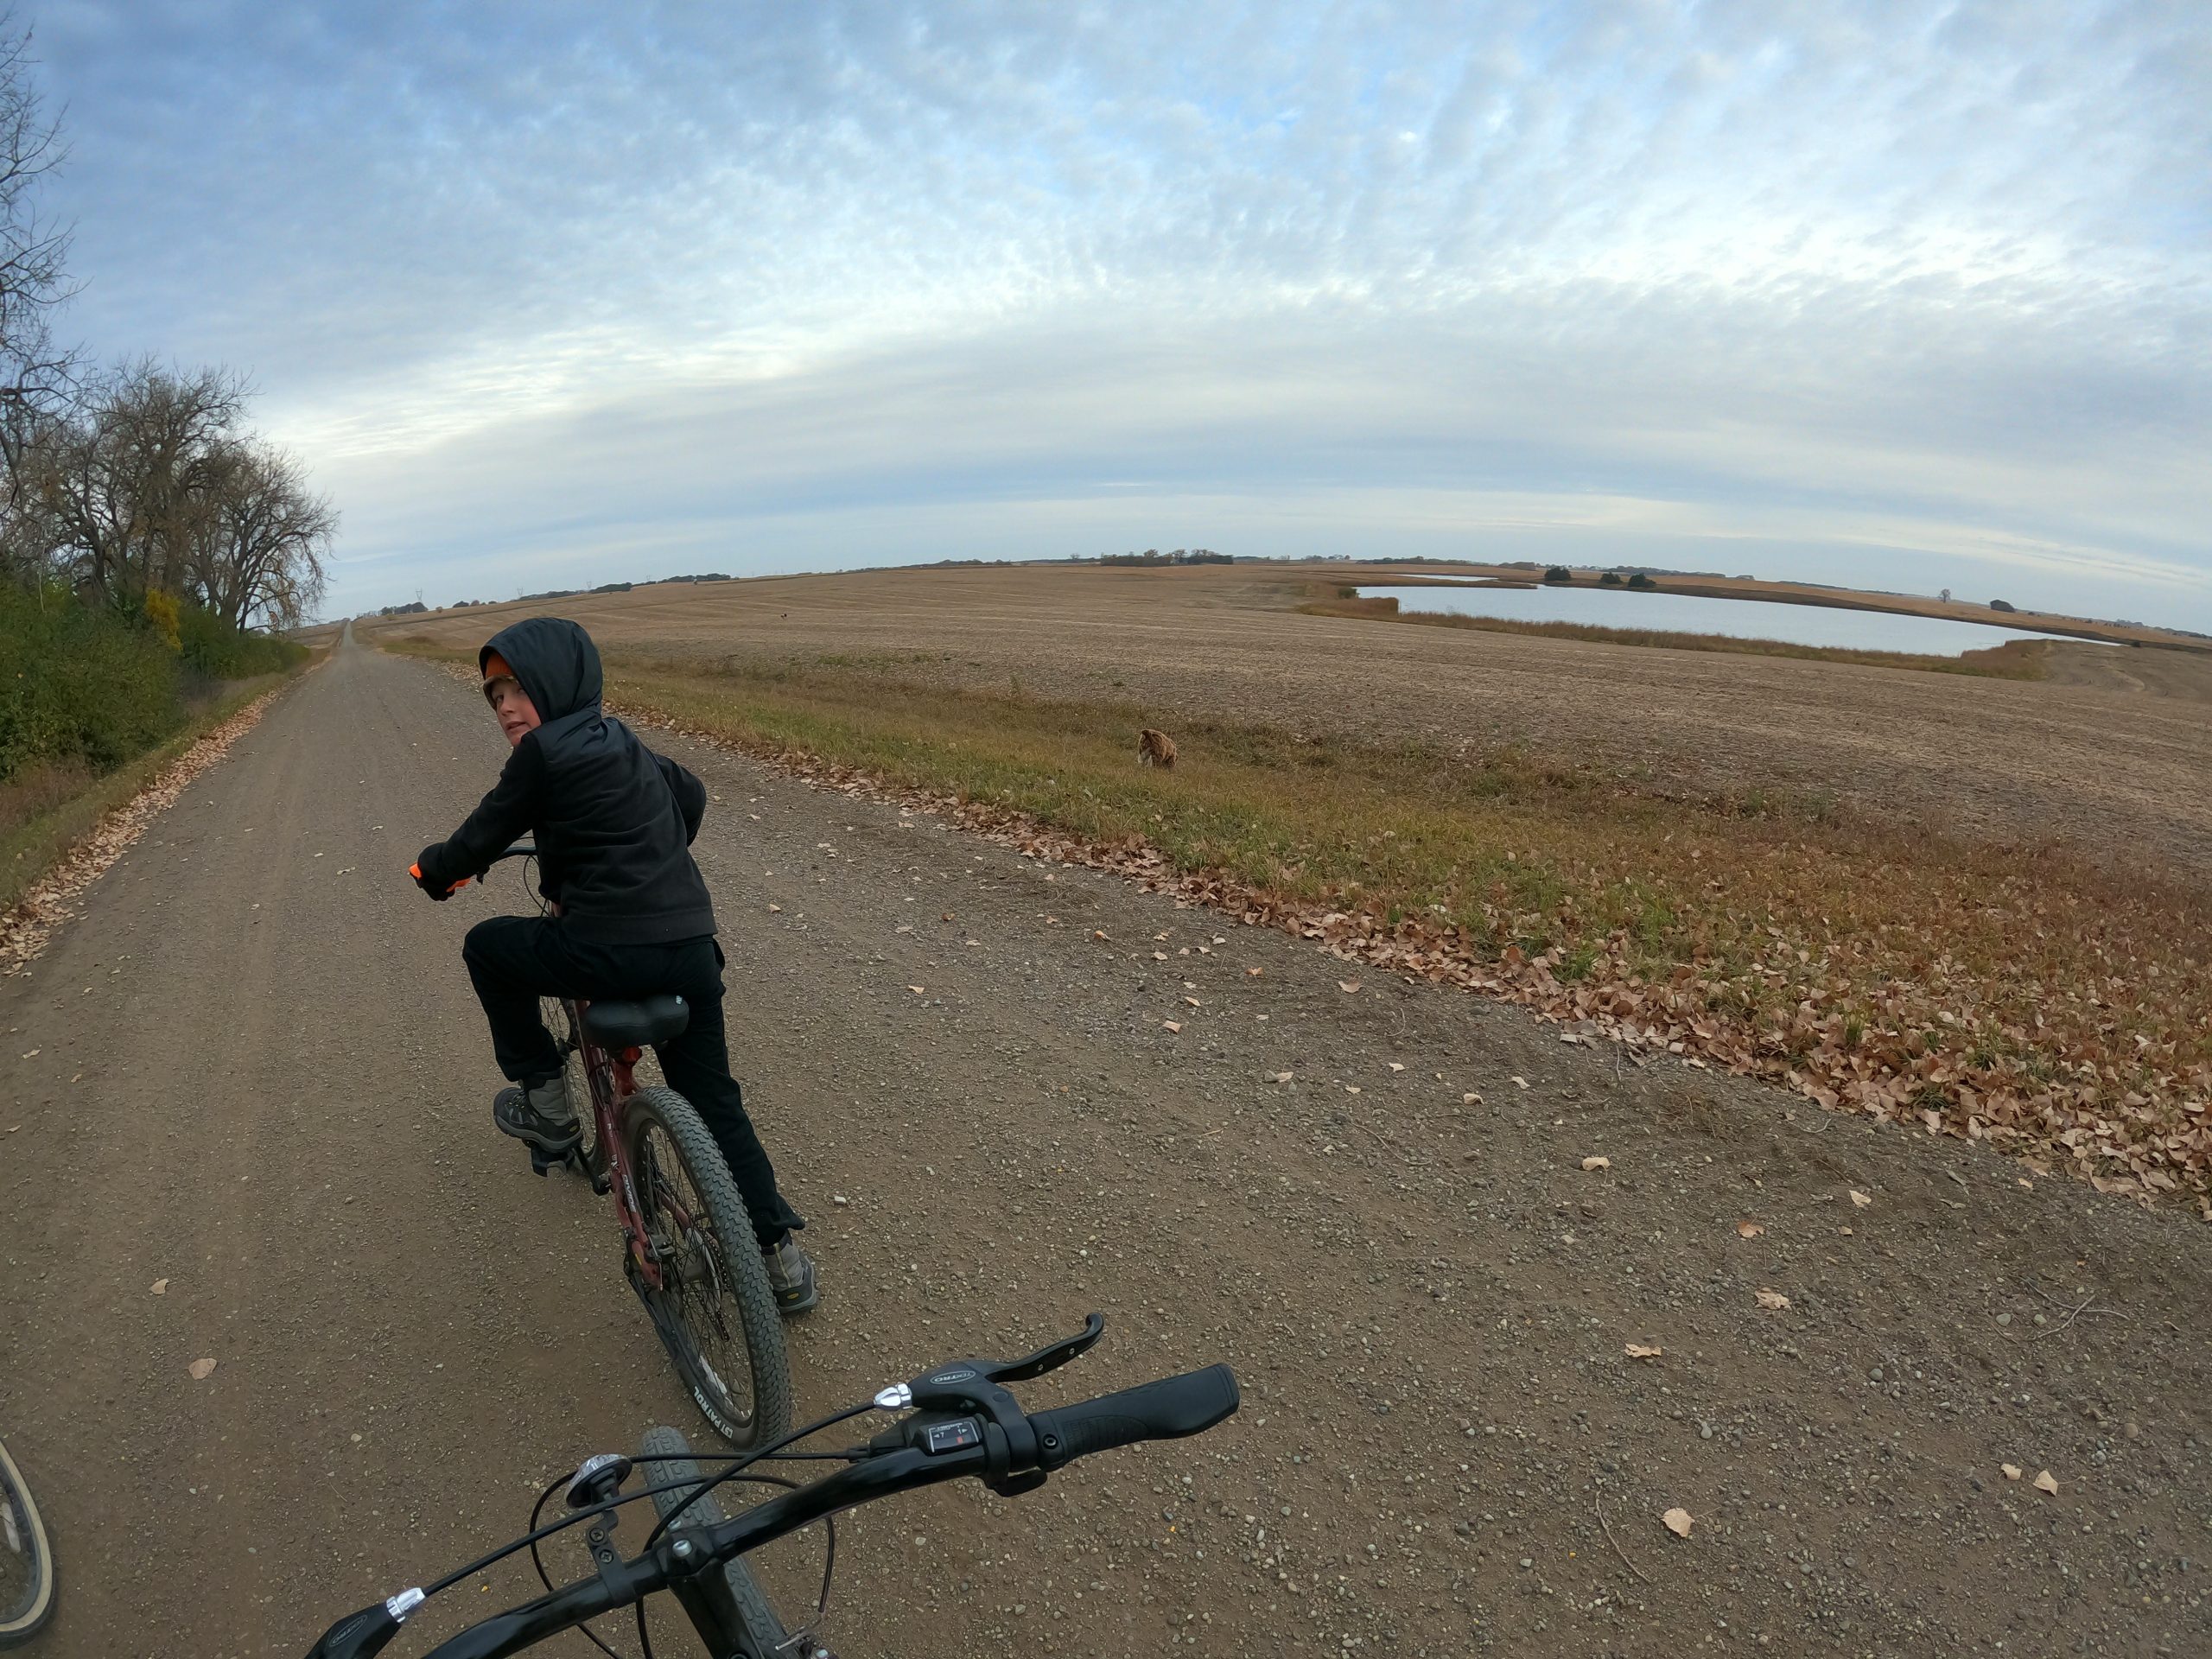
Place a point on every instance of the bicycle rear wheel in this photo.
(745, 1617)
(715, 1312)
(26, 1559)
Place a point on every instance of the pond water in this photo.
(1741, 618)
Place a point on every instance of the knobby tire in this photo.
(26, 1559)
(746, 1296)
(759, 1633)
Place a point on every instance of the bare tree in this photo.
(141, 480)
(36, 377)
(152, 485)
(262, 558)
(131, 483)
(34, 247)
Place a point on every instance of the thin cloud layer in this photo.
(577, 292)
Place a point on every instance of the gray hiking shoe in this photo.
(541, 1116)
(790, 1275)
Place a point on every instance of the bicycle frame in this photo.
(611, 1076)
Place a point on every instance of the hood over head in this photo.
(552, 659)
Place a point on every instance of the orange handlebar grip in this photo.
(415, 870)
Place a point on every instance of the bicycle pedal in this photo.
(539, 1163)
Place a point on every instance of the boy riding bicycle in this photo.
(613, 823)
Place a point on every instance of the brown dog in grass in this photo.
(1155, 749)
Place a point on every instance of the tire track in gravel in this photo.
(281, 1110)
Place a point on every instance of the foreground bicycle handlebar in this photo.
(965, 1423)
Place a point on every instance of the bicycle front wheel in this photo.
(715, 1312)
(26, 1559)
(733, 1617)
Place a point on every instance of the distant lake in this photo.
(1740, 619)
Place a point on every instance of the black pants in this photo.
(514, 960)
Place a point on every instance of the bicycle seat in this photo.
(644, 1022)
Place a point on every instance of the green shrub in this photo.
(90, 688)
(79, 686)
(216, 650)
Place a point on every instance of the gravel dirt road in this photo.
(252, 1073)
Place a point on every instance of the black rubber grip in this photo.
(1166, 1410)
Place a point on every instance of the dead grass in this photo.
(35, 793)
(2017, 995)
(2013, 659)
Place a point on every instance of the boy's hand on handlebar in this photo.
(427, 876)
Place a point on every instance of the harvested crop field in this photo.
(2114, 772)
(2025, 986)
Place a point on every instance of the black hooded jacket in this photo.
(613, 821)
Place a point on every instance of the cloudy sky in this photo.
(1906, 295)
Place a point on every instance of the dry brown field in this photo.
(2112, 753)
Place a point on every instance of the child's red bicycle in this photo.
(691, 1256)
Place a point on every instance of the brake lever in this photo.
(959, 1384)
(1051, 1358)
(977, 1385)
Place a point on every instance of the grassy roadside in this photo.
(2018, 996)
(30, 849)
(2014, 659)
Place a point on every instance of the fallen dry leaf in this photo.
(1678, 1522)
(1251, 973)
(1352, 1088)
(916, 990)
(1860, 1198)
(1395, 1066)
(1282, 1076)
(1637, 1350)
(2044, 1483)
(1772, 1298)
(775, 909)
(1597, 1163)
(1341, 985)
(1520, 1083)
(2013, 1471)
(161, 1288)
(201, 1370)
(1748, 1230)
(1173, 1025)
(1192, 1000)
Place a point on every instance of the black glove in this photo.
(430, 873)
